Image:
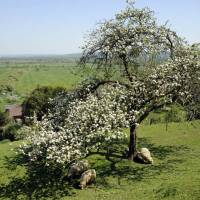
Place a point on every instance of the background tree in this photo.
(38, 102)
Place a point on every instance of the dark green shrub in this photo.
(193, 111)
(38, 101)
(1, 134)
(10, 132)
(155, 120)
(176, 113)
(6, 88)
(4, 119)
(9, 88)
(171, 113)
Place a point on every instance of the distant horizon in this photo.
(38, 54)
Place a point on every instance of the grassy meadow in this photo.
(24, 79)
(23, 76)
(175, 174)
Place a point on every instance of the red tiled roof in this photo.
(14, 110)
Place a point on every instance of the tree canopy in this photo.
(133, 38)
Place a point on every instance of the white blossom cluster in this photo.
(88, 124)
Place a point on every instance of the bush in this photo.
(23, 132)
(193, 112)
(4, 119)
(1, 134)
(10, 132)
(172, 113)
(176, 113)
(38, 101)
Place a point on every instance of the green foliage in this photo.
(1, 134)
(10, 131)
(4, 119)
(6, 88)
(193, 112)
(175, 114)
(172, 113)
(26, 75)
(38, 101)
(193, 108)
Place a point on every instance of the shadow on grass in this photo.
(166, 191)
(42, 183)
(168, 157)
(161, 152)
(38, 183)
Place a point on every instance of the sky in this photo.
(59, 26)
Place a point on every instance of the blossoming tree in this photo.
(74, 127)
(96, 115)
(133, 40)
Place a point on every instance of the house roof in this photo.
(14, 110)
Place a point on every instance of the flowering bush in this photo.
(87, 125)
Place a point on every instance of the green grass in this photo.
(174, 175)
(24, 78)
(7, 152)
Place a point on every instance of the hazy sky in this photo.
(59, 26)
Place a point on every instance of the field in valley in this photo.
(22, 76)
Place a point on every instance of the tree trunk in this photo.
(132, 143)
